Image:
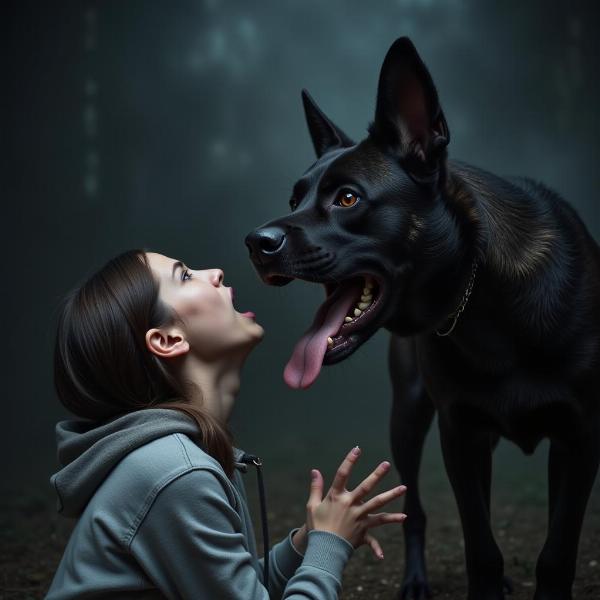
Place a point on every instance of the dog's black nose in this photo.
(265, 240)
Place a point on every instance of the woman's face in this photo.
(210, 323)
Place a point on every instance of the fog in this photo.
(179, 127)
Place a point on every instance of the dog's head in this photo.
(357, 213)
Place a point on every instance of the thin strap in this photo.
(257, 462)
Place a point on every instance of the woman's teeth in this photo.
(365, 301)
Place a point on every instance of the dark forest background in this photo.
(178, 126)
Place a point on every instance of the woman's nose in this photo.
(217, 276)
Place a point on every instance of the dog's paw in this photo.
(414, 588)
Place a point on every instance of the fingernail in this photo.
(385, 464)
(356, 450)
(403, 517)
(313, 474)
(380, 555)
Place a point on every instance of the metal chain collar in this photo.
(463, 302)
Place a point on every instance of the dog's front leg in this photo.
(467, 455)
(572, 469)
(412, 413)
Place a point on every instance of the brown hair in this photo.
(102, 367)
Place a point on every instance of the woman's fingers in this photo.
(374, 545)
(343, 472)
(316, 488)
(383, 518)
(367, 484)
(378, 501)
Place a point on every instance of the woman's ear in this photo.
(166, 343)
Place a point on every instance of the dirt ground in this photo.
(33, 538)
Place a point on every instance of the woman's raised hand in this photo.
(344, 512)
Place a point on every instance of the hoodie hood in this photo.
(89, 450)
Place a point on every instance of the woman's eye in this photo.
(186, 275)
(347, 198)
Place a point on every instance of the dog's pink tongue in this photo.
(307, 359)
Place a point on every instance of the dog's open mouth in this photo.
(349, 306)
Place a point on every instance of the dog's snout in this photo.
(265, 240)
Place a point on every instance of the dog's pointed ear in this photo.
(325, 135)
(408, 116)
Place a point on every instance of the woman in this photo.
(148, 354)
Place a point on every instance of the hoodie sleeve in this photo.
(190, 545)
(284, 559)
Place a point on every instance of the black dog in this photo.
(491, 290)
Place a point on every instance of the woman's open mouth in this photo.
(349, 307)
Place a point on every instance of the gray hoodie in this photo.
(158, 517)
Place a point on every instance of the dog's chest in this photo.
(522, 406)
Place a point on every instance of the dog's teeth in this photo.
(366, 290)
(363, 305)
(366, 298)
(357, 312)
(347, 319)
(330, 341)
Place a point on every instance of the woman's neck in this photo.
(213, 386)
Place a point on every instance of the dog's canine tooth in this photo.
(366, 298)
(347, 319)
(330, 341)
(363, 305)
(357, 312)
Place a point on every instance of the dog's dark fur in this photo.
(523, 360)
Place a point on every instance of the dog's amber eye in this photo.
(347, 198)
